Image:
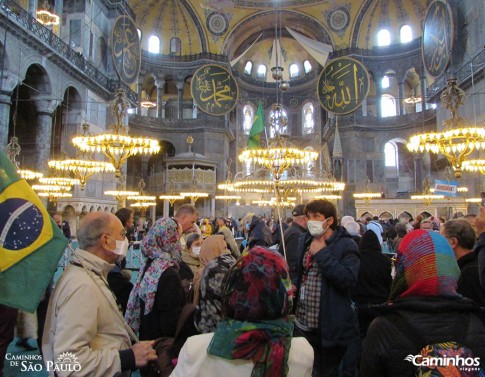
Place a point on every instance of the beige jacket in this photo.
(81, 320)
(194, 361)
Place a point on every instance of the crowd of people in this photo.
(313, 295)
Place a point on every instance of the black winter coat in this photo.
(339, 265)
(435, 318)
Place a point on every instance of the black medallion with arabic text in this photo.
(214, 90)
(343, 85)
(438, 37)
(126, 49)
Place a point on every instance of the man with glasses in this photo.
(82, 317)
(461, 236)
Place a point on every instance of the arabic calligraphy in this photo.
(343, 85)
(214, 90)
(126, 49)
(437, 38)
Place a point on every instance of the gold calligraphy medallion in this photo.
(214, 89)
(438, 38)
(343, 85)
(126, 49)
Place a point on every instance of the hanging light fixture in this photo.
(13, 148)
(413, 100)
(427, 195)
(84, 167)
(118, 145)
(121, 196)
(145, 100)
(367, 195)
(171, 198)
(45, 16)
(457, 140)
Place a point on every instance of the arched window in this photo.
(388, 106)
(139, 34)
(262, 70)
(248, 167)
(307, 65)
(279, 126)
(248, 67)
(248, 116)
(308, 119)
(385, 82)
(390, 154)
(310, 165)
(406, 34)
(294, 70)
(175, 45)
(154, 44)
(383, 37)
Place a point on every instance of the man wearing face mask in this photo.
(82, 317)
(328, 267)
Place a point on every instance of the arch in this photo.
(38, 79)
(307, 66)
(275, 123)
(262, 70)
(365, 214)
(91, 209)
(405, 214)
(386, 215)
(388, 105)
(406, 34)
(247, 118)
(248, 67)
(308, 117)
(250, 28)
(383, 38)
(99, 209)
(175, 46)
(106, 209)
(154, 44)
(294, 70)
(65, 123)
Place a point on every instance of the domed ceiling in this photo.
(230, 27)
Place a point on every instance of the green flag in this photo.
(31, 243)
(256, 128)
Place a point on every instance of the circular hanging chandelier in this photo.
(194, 195)
(457, 140)
(117, 145)
(367, 195)
(474, 166)
(172, 198)
(427, 196)
(121, 196)
(55, 196)
(60, 181)
(228, 198)
(13, 150)
(84, 167)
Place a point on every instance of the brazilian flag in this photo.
(31, 243)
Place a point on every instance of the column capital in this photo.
(9, 82)
(160, 84)
(180, 85)
(45, 104)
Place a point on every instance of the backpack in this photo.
(441, 359)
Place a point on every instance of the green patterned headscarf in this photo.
(256, 302)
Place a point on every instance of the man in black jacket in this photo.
(328, 265)
(291, 236)
(461, 237)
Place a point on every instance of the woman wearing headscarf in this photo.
(215, 261)
(158, 296)
(255, 338)
(424, 301)
(191, 251)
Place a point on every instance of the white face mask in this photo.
(121, 248)
(315, 227)
(196, 250)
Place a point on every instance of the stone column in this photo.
(422, 79)
(139, 90)
(166, 208)
(180, 90)
(378, 83)
(33, 4)
(418, 174)
(45, 108)
(401, 97)
(8, 84)
(160, 84)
